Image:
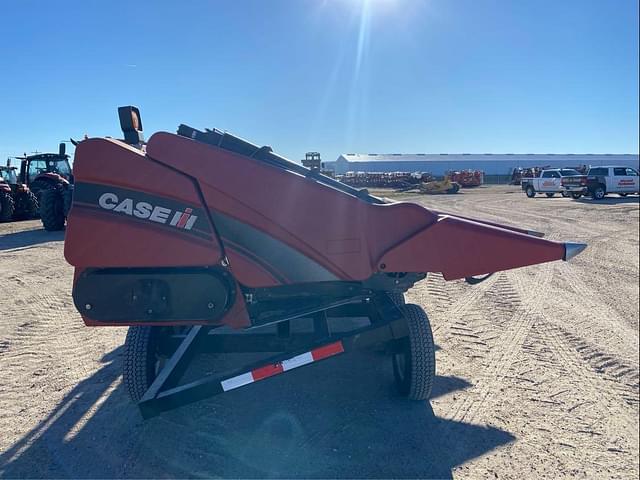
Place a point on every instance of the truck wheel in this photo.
(576, 195)
(623, 194)
(564, 194)
(52, 210)
(599, 192)
(6, 207)
(530, 192)
(549, 195)
(414, 366)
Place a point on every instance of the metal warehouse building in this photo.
(490, 164)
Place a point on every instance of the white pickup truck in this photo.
(551, 182)
(612, 179)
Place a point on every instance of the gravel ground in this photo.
(537, 374)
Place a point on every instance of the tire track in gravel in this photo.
(588, 298)
(506, 348)
(625, 377)
(53, 338)
(601, 394)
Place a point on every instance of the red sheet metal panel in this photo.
(462, 248)
(339, 232)
(117, 233)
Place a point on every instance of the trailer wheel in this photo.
(530, 192)
(397, 298)
(52, 210)
(143, 359)
(414, 367)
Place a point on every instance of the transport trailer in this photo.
(213, 244)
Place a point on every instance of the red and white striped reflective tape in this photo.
(275, 368)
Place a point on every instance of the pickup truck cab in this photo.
(612, 179)
(552, 181)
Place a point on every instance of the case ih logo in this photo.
(146, 211)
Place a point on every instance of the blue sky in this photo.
(334, 76)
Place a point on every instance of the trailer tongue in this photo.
(209, 230)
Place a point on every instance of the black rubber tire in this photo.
(140, 360)
(576, 195)
(144, 358)
(564, 194)
(26, 206)
(52, 210)
(530, 191)
(598, 192)
(623, 194)
(40, 186)
(414, 368)
(68, 198)
(550, 195)
(397, 298)
(7, 207)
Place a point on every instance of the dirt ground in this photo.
(537, 374)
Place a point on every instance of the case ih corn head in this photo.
(212, 244)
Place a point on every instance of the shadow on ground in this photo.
(339, 418)
(29, 238)
(610, 200)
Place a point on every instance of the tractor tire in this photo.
(26, 206)
(576, 195)
(68, 198)
(414, 367)
(549, 195)
(7, 207)
(38, 187)
(531, 192)
(598, 193)
(52, 210)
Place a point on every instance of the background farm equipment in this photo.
(397, 180)
(313, 162)
(437, 187)
(48, 176)
(17, 201)
(467, 178)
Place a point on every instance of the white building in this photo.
(490, 164)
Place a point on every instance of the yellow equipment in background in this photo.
(439, 186)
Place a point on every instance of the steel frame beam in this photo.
(165, 393)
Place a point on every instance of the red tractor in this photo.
(49, 177)
(16, 200)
